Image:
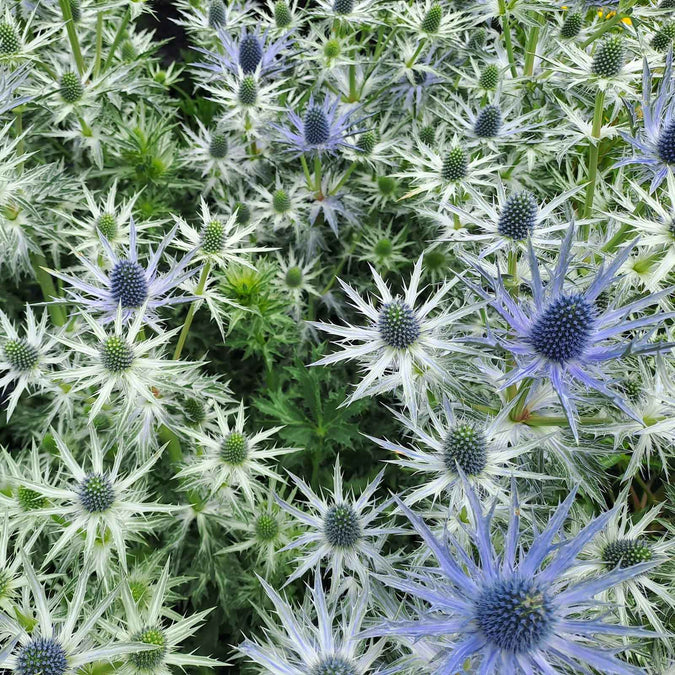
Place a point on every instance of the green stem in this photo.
(594, 152)
(506, 29)
(191, 312)
(342, 180)
(485, 408)
(56, 312)
(513, 271)
(317, 174)
(86, 129)
(117, 39)
(531, 47)
(305, 169)
(99, 43)
(353, 95)
(72, 35)
(411, 62)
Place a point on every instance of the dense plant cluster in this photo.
(336, 337)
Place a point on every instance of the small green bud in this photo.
(70, 87)
(572, 25)
(282, 14)
(609, 56)
(489, 78)
(432, 19)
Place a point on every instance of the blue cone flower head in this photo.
(252, 52)
(654, 145)
(128, 284)
(516, 611)
(564, 335)
(322, 128)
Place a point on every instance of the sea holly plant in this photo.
(336, 337)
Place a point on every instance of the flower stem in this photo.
(72, 35)
(342, 180)
(512, 263)
(305, 170)
(593, 154)
(353, 95)
(56, 312)
(513, 271)
(411, 62)
(531, 47)
(117, 39)
(506, 29)
(99, 42)
(523, 391)
(317, 175)
(191, 312)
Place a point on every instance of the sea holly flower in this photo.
(287, 16)
(233, 459)
(265, 529)
(218, 155)
(109, 507)
(248, 54)
(493, 124)
(505, 221)
(118, 366)
(154, 624)
(606, 64)
(445, 168)
(106, 215)
(22, 504)
(383, 248)
(453, 451)
(296, 277)
(61, 642)
(129, 285)
(26, 358)
(628, 541)
(433, 21)
(355, 12)
(217, 240)
(562, 335)
(250, 103)
(653, 141)
(20, 42)
(655, 227)
(401, 342)
(320, 637)
(514, 611)
(281, 205)
(341, 529)
(321, 128)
